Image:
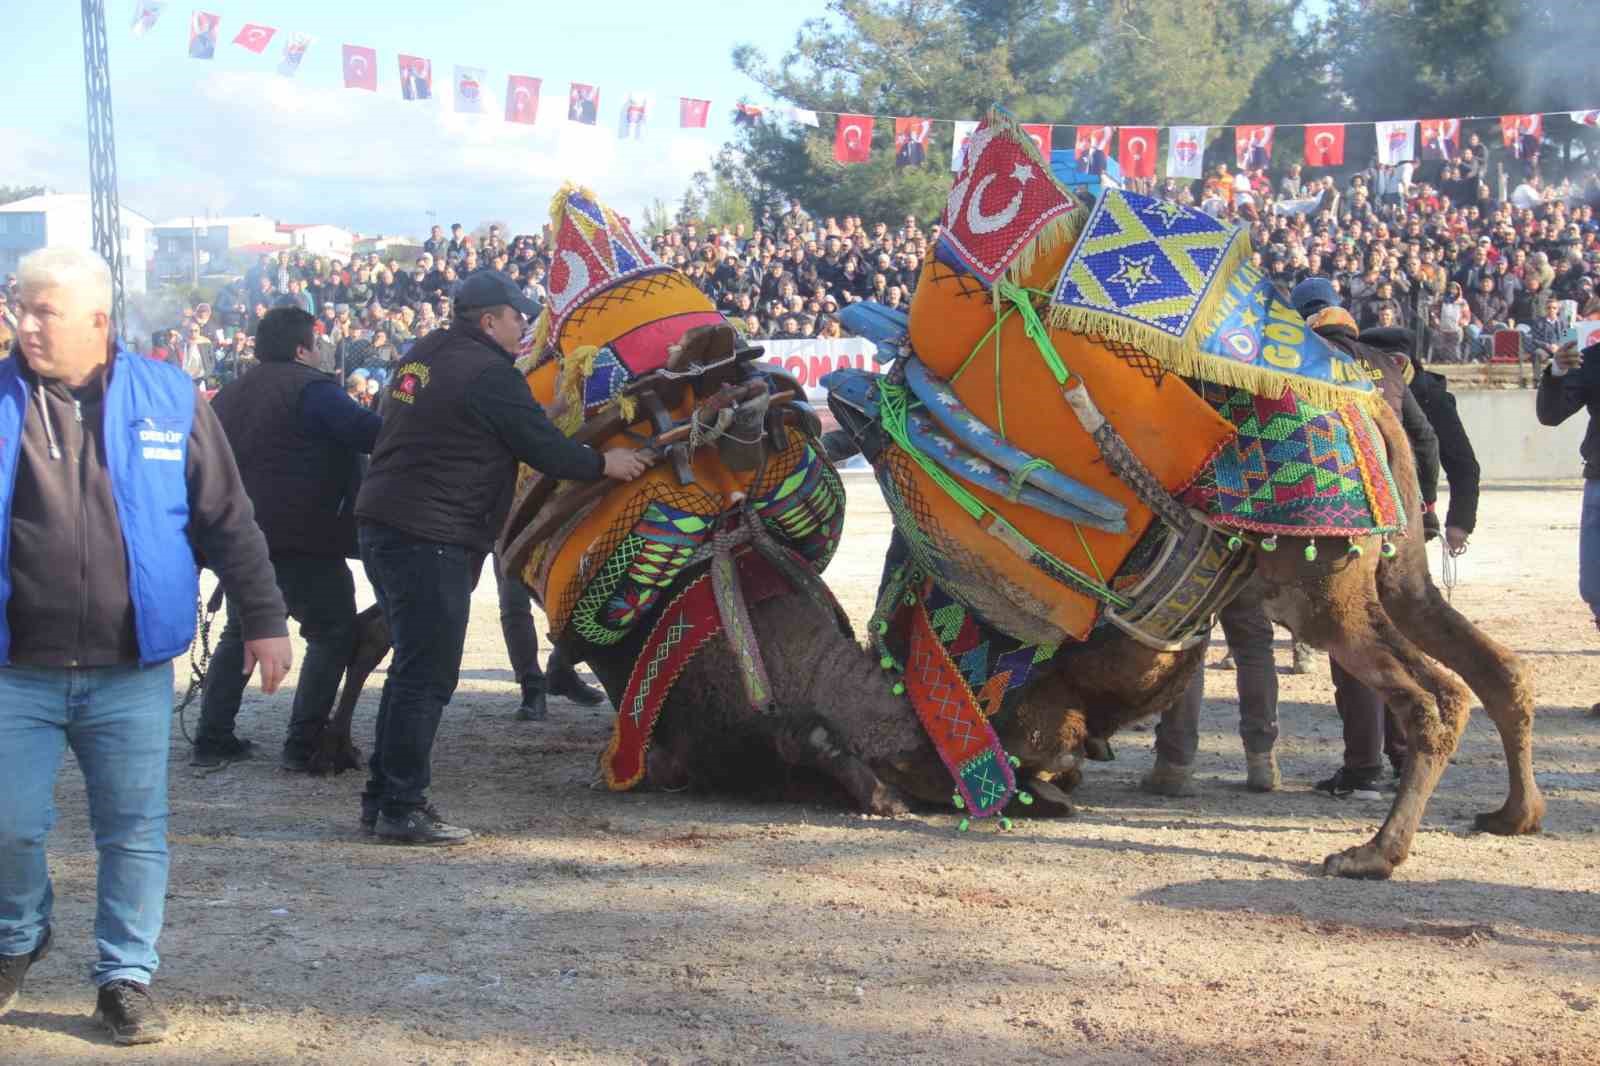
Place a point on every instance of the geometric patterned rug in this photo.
(1297, 469)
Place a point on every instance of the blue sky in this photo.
(231, 136)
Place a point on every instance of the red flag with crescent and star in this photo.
(522, 99)
(1325, 145)
(852, 139)
(1039, 134)
(1002, 197)
(360, 68)
(255, 37)
(692, 113)
(1136, 151)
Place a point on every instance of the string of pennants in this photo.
(1136, 152)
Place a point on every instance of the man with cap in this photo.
(457, 418)
(1361, 708)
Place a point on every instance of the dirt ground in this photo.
(586, 927)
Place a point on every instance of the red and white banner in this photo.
(583, 104)
(360, 68)
(911, 141)
(1441, 139)
(1585, 118)
(1521, 134)
(416, 78)
(522, 99)
(1325, 145)
(692, 113)
(808, 361)
(1252, 147)
(470, 97)
(1091, 148)
(852, 139)
(255, 37)
(1136, 151)
(1039, 133)
(1397, 142)
(1186, 150)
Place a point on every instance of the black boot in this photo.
(533, 707)
(129, 1014)
(563, 680)
(13, 968)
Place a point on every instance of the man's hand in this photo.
(1568, 357)
(1455, 539)
(624, 464)
(275, 656)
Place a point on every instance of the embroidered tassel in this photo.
(1269, 544)
(1388, 551)
(1311, 552)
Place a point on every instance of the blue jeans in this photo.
(425, 590)
(1589, 547)
(117, 721)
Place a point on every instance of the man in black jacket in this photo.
(457, 418)
(1569, 384)
(297, 438)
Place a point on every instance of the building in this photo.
(68, 219)
(199, 245)
(320, 239)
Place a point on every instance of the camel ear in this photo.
(704, 345)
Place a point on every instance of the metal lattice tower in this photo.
(103, 151)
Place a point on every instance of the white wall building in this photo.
(321, 239)
(68, 219)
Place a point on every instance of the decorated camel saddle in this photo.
(739, 498)
(1091, 417)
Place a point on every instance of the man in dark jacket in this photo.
(457, 418)
(112, 474)
(297, 439)
(1568, 385)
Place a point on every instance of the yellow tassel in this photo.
(575, 370)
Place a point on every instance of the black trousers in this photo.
(320, 593)
(521, 636)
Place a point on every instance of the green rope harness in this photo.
(1021, 475)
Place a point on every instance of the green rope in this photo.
(1021, 475)
(993, 331)
(1021, 299)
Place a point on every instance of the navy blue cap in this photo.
(1313, 294)
(490, 288)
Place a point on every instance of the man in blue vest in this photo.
(112, 477)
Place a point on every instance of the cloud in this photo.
(243, 143)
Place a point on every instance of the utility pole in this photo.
(194, 255)
(103, 153)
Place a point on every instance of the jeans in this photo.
(1249, 636)
(1589, 547)
(320, 593)
(117, 720)
(425, 590)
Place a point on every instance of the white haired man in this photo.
(112, 476)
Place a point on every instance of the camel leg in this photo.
(808, 740)
(1433, 706)
(1495, 674)
(336, 751)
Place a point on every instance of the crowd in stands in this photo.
(1451, 250)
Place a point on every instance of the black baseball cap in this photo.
(491, 288)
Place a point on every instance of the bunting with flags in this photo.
(469, 94)
(746, 114)
(145, 15)
(852, 139)
(1440, 138)
(692, 113)
(583, 104)
(416, 78)
(522, 99)
(1039, 134)
(203, 26)
(255, 37)
(802, 117)
(1186, 149)
(360, 68)
(1397, 142)
(294, 50)
(1521, 134)
(958, 144)
(1092, 148)
(911, 141)
(1136, 151)
(1252, 147)
(635, 109)
(1325, 145)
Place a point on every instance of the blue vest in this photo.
(149, 410)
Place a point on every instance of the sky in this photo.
(231, 136)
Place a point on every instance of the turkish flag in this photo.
(692, 113)
(1325, 145)
(360, 68)
(1039, 134)
(255, 37)
(1252, 147)
(852, 139)
(522, 99)
(1136, 151)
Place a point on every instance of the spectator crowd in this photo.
(1455, 251)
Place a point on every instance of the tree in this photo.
(10, 194)
(1062, 61)
(657, 218)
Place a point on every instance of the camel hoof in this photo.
(335, 758)
(1365, 862)
(1049, 801)
(1506, 822)
(885, 802)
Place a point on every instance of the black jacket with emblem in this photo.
(457, 417)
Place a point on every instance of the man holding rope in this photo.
(112, 476)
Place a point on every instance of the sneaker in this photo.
(221, 752)
(1261, 771)
(13, 968)
(1354, 784)
(534, 707)
(369, 816)
(129, 1014)
(567, 684)
(422, 827)
(1303, 660)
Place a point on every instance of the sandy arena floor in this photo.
(584, 927)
